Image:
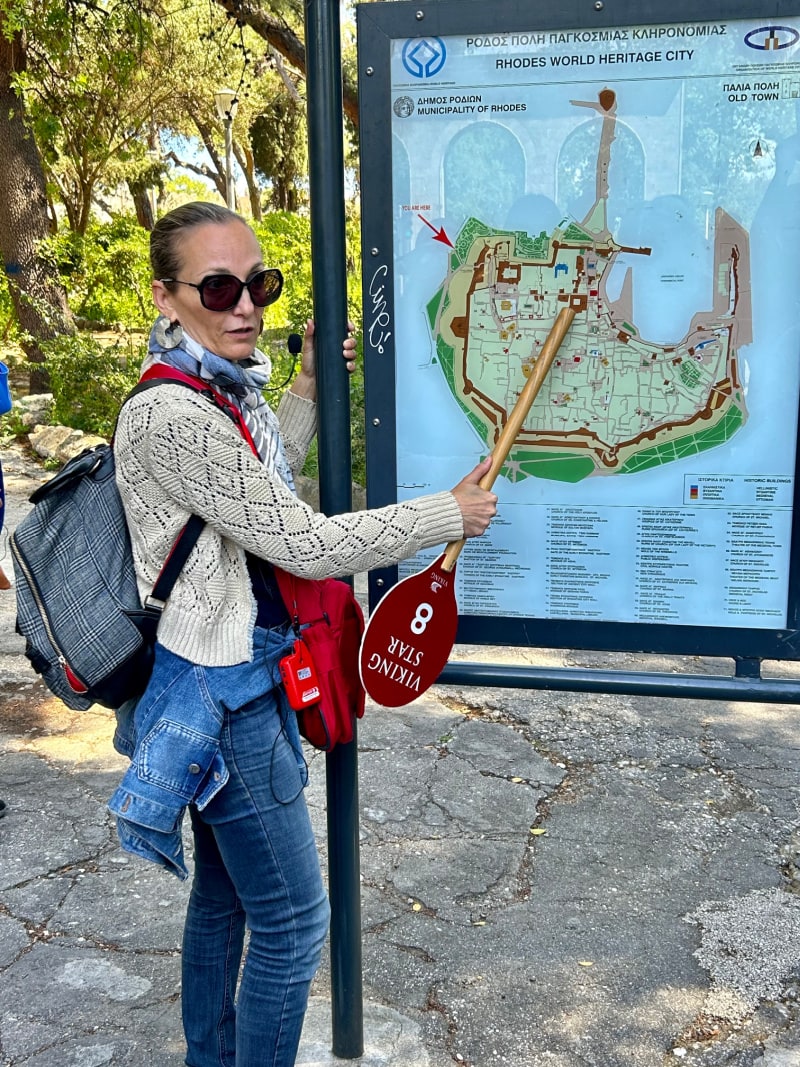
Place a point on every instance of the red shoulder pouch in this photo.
(328, 620)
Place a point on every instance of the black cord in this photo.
(295, 346)
(284, 710)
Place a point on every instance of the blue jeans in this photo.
(256, 865)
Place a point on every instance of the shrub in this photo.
(90, 380)
(107, 273)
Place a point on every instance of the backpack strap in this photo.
(173, 564)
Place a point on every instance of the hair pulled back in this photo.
(166, 235)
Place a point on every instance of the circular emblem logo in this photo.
(771, 38)
(403, 107)
(424, 57)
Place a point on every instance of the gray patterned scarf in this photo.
(240, 381)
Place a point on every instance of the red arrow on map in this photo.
(438, 235)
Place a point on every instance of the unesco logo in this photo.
(771, 38)
(423, 57)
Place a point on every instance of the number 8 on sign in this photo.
(404, 649)
(421, 619)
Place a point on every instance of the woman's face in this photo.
(215, 248)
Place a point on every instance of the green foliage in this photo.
(286, 243)
(354, 310)
(9, 329)
(111, 88)
(358, 444)
(89, 380)
(278, 137)
(91, 83)
(12, 427)
(183, 189)
(106, 273)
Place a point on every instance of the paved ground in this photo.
(549, 880)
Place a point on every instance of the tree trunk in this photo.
(142, 203)
(217, 175)
(244, 157)
(35, 288)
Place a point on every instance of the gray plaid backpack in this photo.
(78, 608)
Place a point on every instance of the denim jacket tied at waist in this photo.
(172, 737)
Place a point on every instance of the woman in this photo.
(212, 730)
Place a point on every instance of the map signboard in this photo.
(643, 167)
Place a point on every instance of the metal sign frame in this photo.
(379, 26)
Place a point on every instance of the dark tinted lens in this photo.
(220, 292)
(265, 287)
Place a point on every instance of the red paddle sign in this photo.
(410, 634)
(403, 650)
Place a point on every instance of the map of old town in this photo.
(613, 402)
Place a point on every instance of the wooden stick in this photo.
(511, 430)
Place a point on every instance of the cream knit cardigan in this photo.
(177, 455)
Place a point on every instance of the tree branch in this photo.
(285, 40)
(201, 169)
(289, 85)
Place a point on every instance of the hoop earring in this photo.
(168, 334)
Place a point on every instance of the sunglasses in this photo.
(222, 292)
